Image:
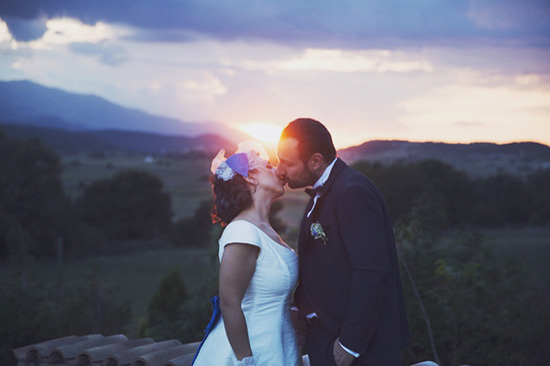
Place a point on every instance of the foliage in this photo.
(37, 311)
(91, 306)
(195, 230)
(169, 297)
(538, 184)
(496, 201)
(33, 209)
(481, 307)
(131, 205)
(501, 200)
(404, 184)
(182, 317)
(195, 313)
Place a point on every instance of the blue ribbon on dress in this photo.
(216, 312)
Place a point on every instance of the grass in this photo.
(131, 278)
(530, 246)
(185, 180)
(135, 277)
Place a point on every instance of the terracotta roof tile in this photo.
(99, 354)
(114, 350)
(69, 352)
(161, 357)
(42, 351)
(21, 353)
(181, 361)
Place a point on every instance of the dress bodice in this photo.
(266, 303)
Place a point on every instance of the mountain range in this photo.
(111, 141)
(28, 103)
(477, 159)
(71, 123)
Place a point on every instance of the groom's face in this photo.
(291, 168)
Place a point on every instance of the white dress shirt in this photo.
(321, 181)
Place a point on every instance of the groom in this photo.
(349, 291)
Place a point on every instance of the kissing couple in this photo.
(339, 301)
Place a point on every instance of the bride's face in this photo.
(268, 180)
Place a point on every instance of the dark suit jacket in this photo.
(352, 282)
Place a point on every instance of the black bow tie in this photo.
(312, 192)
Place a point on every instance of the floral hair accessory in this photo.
(238, 163)
(318, 232)
(249, 156)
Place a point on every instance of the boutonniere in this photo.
(318, 232)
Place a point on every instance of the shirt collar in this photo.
(324, 177)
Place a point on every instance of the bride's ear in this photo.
(251, 179)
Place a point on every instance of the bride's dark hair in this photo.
(230, 198)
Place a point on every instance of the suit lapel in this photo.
(304, 230)
(339, 165)
(303, 241)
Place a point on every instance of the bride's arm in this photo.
(236, 269)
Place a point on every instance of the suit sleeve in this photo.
(363, 230)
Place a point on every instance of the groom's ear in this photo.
(316, 162)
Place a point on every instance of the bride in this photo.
(258, 271)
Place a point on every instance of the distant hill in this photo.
(105, 141)
(69, 123)
(477, 159)
(27, 103)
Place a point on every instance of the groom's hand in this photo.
(341, 356)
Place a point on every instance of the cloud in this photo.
(355, 61)
(68, 30)
(109, 54)
(522, 16)
(319, 24)
(505, 108)
(26, 30)
(5, 35)
(468, 124)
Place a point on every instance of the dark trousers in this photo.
(320, 345)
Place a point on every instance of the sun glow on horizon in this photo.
(265, 132)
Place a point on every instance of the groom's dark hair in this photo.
(312, 136)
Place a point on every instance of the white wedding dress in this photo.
(266, 304)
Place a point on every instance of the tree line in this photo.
(35, 213)
(497, 201)
(132, 205)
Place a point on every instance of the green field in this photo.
(131, 278)
(531, 247)
(185, 180)
(134, 277)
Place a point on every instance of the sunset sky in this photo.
(447, 70)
